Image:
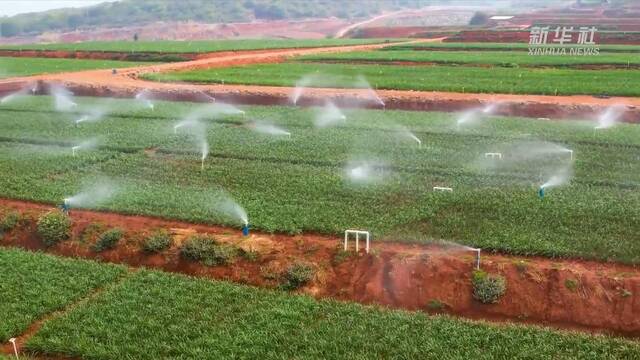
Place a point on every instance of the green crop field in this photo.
(176, 47)
(499, 58)
(300, 184)
(497, 47)
(425, 78)
(19, 66)
(154, 315)
(33, 285)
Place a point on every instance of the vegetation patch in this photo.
(158, 241)
(208, 250)
(571, 284)
(488, 288)
(108, 240)
(35, 284)
(222, 316)
(53, 227)
(297, 275)
(9, 220)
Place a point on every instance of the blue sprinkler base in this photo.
(541, 193)
(245, 230)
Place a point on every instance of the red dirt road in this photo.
(126, 83)
(605, 296)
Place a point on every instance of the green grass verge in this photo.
(33, 285)
(167, 46)
(424, 78)
(153, 315)
(20, 66)
(498, 58)
(298, 184)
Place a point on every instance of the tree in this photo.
(8, 29)
(479, 18)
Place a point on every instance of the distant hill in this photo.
(139, 12)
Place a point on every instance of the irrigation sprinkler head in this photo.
(570, 154)
(245, 230)
(74, 149)
(493, 155)
(541, 192)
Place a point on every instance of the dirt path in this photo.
(572, 294)
(126, 83)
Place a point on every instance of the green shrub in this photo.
(157, 242)
(9, 221)
(571, 284)
(108, 240)
(207, 250)
(297, 275)
(435, 305)
(53, 227)
(488, 288)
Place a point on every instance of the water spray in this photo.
(145, 97)
(270, 129)
(15, 348)
(329, 115)
(610, 117)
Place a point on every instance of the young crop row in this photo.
(300, 183)
(154, 315)
(19, 66)
(463, 79)
(497, 58)
(168, 46)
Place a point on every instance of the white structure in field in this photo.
(357, 234)
(493, 155)
(440, 188)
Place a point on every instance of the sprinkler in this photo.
(541, 192)
(493, 155)
(15, 349)
(74, 149)
(245, 229)
(65, 206)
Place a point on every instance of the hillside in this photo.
(138, 12)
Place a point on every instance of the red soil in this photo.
(398, 275)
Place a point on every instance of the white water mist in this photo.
(93, 195)
(329, 115)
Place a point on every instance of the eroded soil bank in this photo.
(573, 294)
